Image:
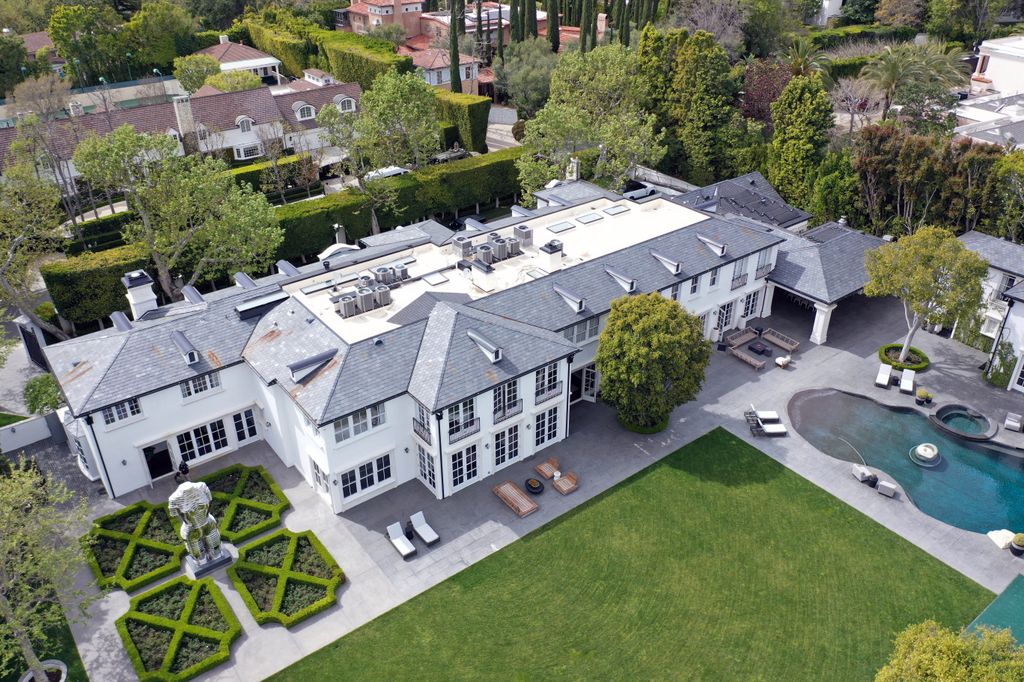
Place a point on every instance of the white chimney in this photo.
(483, 277)
(551, 256)
(75, 108)
(224, 40)
(573, 172)
(141, 297)
(183, 112)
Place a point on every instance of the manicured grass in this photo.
(62, 647)
(716, 563)
(8, 419)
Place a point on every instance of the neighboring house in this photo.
(40, 40)
(996, 119)
(236, 122)
(424, 354)
(435, 67)
(829, 9)
(748, 196)
(1000, 67)
(238, 57)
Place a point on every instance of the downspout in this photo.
(440, 457)
(99, 456)
(568, 392)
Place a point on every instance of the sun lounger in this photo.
(884, 376)
(401, 543)
(861, 472)
(516, 498)
(747, 358)
(423, 529)
(765, 415)
(566, 484)
(547, 468)
(907, 381)
(1002, 538)
(1013, 422)
(772, 429)
(740, 337)
(781, 340)
(887, 489)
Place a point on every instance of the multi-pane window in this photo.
(703, 323)
(506, 445)
(694, 285)
(464, 466)
(740, 268)
(547, 379)
(366, 475)
(461, 417)
(245, 425)
(506, 397)
(714, 278)
(1008, 282)
(764, 258)
(347, 105)
(725, 315)
(319, 476)
(750, 303)
(305, 112)
(202, 440)
(199, 384)
(421, 422)
(673, 292)
(245, 125)
(122, 410)
(251, 152)
(582, 331)
(359, 422)
(427, 474)
(1020, 377)
(545, 426)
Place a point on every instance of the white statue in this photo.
(191, 504)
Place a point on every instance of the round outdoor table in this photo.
(534, 486)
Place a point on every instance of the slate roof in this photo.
(226, 53)
(451, 366)
(825, 264)
(537, 302)
(428, 230)
(1015, 292)
(317, 97)
(421, 307)
(573, 193)
(749, 196)
(999, 253)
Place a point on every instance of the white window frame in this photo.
(465, 467)
(581, 332)
(245, 125)
(359, 422)
(367, 475)
(427, 471)
(461, 416)
(714, 278)
(751, 302)
(546, 379)
(204, 383)
(121, 411)
(694, 285)
(305, 113)
(545, 427)
(506, 396)
(506, 446)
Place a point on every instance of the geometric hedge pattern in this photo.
(178, 630)
(246, 500)
(134, 546)
(286, 577)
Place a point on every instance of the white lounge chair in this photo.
(861, 472)
(772, 429)
(423, 529)
(907, 381)
(884, 376)
(1013, 422)
(887, 489)
(401, 543)
(765, 415)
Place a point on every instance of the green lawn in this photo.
(8, 419)
(716, 563)
(62, 646)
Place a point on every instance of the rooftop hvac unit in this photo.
(500, 248)
(493, 235)
(485, 253)
(463, 246)
(382, 292)
(383, 274)
(365, 299)
(366, 281)
(514, 248)
(524, 234)
(346, 306)
(401, 272)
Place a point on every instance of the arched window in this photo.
(245, 124)
(306, 113)
(346, 105)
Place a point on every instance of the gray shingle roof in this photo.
(421, 307)
(427, 231)
(999, 253)
(749, 196)
(1015, 292)
(451, 366)
(826, 263)
(573, 193)
(539, 304)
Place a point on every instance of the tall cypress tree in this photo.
(593, 23)
(501, 37)
(553, 37)
(524, 23)
(624, 27)
(585, 26)
(479, 29)
(531, 18)
(455, 18)
(460, 20)
(513, 18)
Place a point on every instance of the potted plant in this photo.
(928, 398)
(1017, 544)
(921, 395)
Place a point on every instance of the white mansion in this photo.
(425, 354)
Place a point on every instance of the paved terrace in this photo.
(474, 523)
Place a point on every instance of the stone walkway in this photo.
(474, 523)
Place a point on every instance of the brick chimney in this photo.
(183, 112)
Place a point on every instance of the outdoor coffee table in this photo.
(759, 347)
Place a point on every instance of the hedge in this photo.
(250, 173)
(284, 574)
(234, 502)
(917, 367)
(356, 58)
(180, 629)
(848, 67)
(292, 50)
(469, 114)
(88, 287)
(134, 541)
(100, 234)
(449, 134)
(236, 33)
(828, 38)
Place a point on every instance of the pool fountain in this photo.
(965, 422)
(925, 455)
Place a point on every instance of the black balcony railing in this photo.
(547, 393)
(421, 430)
(466, 429)
(508, 411)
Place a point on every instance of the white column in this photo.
(822, 316)
(769, 297)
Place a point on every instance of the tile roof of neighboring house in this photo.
(226, 53)
(451, 366)
(319, 73)
(34, 42)
(207, 90)
(825, 264)
(300, 85)
(389, 3)
(999, 253)
(486, 75)
(416, 43)
(437, 59)
(358, 8)
(748, 196)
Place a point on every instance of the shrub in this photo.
(449, 135)
(88, 287)
(355, 58)
(1003, 363)
(47, 313)
(100, 234)
(42, 394)
(829, 38)
(132, 547)
(469, 114)
(916, 360)
(251, 173)
(286, 577)
(1018, 539)
(292, 50)
(847, 67)
(250, 502)
(179, 630)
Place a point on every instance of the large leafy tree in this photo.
(964, 20)
(802, 117)
(651, 356)
(13, 58)
(702, 93)
(526, 75)
(193, 219)
(932, 273)
(89, 39)
(929, 651)
(158, 32)
(193, 70)
(39, 550)
(836, 190)
(763, 83)
(1009, 171)
(234, 81)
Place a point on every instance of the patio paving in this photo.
(474, 523)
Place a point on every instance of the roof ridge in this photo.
(113, 359)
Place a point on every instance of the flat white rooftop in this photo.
(589, 231)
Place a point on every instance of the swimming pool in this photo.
(974, 487)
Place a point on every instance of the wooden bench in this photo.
(516, 498)
(740, 337)
(781, 340)
(566, 484)
(547, 468)
(746, 357)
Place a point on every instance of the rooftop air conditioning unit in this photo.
(524, 234)
(485, 253)
(514, 248)
(500, 247)
(401, 272)
(383, 274)
(346, 305)
(382, 292)
(365, 299)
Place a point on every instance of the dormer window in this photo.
(346, 105)
(245, 124)
(305, 113)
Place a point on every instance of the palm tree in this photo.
(890, 69)
(804, 59)
(943, 64)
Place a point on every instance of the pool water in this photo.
(974, 487)
(964, 423)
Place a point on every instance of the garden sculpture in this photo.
(190, 503)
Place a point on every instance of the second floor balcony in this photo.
(546, 393)
(464, 430)
(739, 281)
(422, 430)
(507, 411)
(763, 271)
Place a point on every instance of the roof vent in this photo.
(577, 303)
(489, 348)
(286, 268)
(191, 294)
(188, 351)
(121, 321)
(674, 266)
(305, 368)
(245, 281)
(717, 247)
(628, 283)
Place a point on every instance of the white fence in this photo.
(15, 436)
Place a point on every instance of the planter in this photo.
(919, 401)
(928, 401)
(1015, 549)
(52, 666)
(646, 430)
